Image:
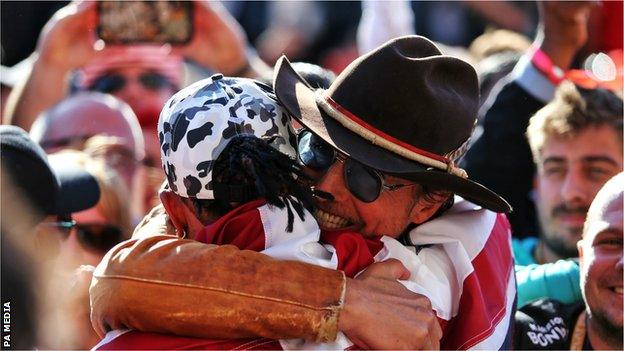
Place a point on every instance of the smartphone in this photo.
(128, 22)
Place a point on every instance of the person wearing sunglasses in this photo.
(386, 197)
(105, 127)
(382, 143)
(261, 201)
(254, 170)
(49, 189)
(90, 233)
(255, 184)
(81, 239)
(143, 75)
(36, 197)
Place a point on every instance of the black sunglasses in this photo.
(99, 237)
(96, 237)
(365, 183)
(111, 83)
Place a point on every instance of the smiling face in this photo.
(390, 214)
(570, 173)
(601, 261)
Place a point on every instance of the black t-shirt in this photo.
(547, 324)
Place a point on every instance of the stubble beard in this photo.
(559, 246)
(608, 331)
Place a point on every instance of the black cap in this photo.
(57, 190)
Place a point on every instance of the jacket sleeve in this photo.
(162, 283)
(558, 280)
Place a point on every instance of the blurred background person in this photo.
(496, 53)
(78, 212)
(500, 156)
(50, 190)
(576, 141)
(96, 230)
(102, 226)
(143, 76)
(36, 200)
(9, 78)
(76, 119)
(596, 322)
(68, 43)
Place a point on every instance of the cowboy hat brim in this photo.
(300, 101)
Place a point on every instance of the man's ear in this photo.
(425, 209)
(181, 215)
(175, 209)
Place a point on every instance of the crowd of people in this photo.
(397, 192)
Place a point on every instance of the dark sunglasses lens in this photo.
(153, 81)
(109, 83)
(361, 181)
(98, 237)
(314, 152)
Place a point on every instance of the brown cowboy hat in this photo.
(404, 109)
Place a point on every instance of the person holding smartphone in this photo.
(141, 70)
(69, 43)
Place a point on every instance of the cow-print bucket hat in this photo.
(404, 109)
(198, 122)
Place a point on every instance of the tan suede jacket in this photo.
(159, 282)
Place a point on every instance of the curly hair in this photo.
(572, 110)
(249, 168)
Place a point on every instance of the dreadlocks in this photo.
(249, 168)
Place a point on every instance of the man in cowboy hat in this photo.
(395, 120)
(382, 141)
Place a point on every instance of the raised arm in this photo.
(66, 43)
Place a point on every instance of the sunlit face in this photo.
(146, 102)
(390, 214)
(145, 90)
(79, 119)
(570, 173)
(601, 262)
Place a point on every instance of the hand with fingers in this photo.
(68, 39)
(380, 313)
(218, 40)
